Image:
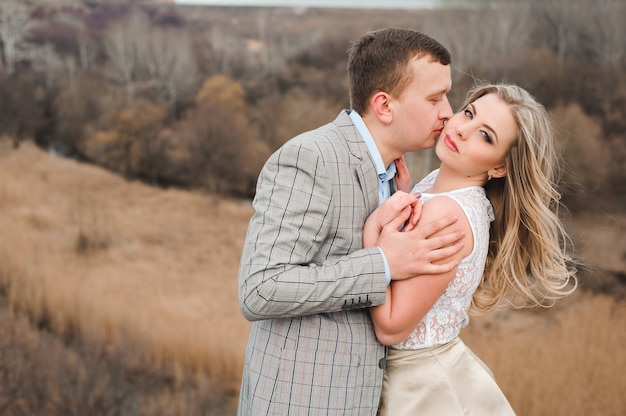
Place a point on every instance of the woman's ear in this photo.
(381, 108)
(497, 172)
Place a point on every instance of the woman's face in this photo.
(475, 141)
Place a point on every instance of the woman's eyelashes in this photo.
(486, 136)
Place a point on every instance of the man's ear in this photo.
(380, 107)
(497, 172)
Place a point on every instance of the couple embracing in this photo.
(358, 285)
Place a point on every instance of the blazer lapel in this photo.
(366, 172)
(365, 168)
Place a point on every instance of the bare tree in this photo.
(86, 47)
(559, 24)
(464, 40)
(87, 50)
(223, 51)
(509, 29)
(267, 52)
(46, 60)
(120, 45)
(606, 30)
(471, 40)
(15, 25)
(167, 58)
(606, 33)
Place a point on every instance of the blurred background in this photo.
(131, 137)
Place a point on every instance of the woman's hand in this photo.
(400, 212)
(403, 178)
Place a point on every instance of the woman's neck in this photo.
(450, 180)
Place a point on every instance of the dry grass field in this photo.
(87, 255)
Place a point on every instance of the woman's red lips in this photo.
(450, 144)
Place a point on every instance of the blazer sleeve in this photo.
(303, 252)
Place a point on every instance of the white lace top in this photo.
(449, 315)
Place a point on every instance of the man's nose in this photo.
(446, 111)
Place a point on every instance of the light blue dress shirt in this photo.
(385, 174)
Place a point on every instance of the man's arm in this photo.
(291, 264)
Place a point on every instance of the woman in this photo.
(498, 164)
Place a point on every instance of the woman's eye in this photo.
(486, 136)
(469, 114)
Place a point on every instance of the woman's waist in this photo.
(394, 353)
(435, 330)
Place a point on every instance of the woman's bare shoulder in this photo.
(441, 206)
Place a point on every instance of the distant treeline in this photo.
(198, 97)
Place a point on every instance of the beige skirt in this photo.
(445, 380)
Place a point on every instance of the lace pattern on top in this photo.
(449, 315)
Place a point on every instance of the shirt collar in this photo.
(384, 174)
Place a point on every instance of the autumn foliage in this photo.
(221, 87)
(118, 259)
(120, 298)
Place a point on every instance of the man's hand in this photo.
(420, 252)
(400, 212)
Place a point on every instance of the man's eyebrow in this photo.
(495, 135)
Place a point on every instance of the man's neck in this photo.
(378, 132)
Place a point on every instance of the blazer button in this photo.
(382, 363)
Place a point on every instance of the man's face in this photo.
(421, 109)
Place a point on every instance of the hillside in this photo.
(88, 255)
(122, 262)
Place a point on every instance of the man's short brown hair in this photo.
(379, 61)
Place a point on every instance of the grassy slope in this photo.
(111, 259)
(116, 261)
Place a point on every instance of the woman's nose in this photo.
(462, 130)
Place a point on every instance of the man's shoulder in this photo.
(338, 131)
(338, 127)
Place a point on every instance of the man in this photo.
(305, 280)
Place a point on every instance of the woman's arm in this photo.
(409, 300)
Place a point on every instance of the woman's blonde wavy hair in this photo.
(528, 262)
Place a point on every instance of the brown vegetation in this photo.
(123, 265)
(563, 361)
(136, 286)
(42, 373)
(120, 298)
(76, 76)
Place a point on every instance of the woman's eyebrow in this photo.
(495, 135)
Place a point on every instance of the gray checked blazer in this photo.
(305, 280)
